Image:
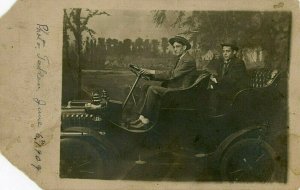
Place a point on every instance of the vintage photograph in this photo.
(175, 95)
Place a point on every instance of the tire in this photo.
(249, 160)
(80, 159)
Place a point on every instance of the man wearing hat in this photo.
(182, 75)
(229, 75)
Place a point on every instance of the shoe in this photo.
(137, 128)
(135, 122)
(140, 125)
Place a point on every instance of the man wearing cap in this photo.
(229, 75)
(182, 75)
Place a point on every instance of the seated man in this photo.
(181, 76)
(229, 76)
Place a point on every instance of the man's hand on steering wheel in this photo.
(147, 72)
(144, 73)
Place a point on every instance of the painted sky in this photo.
(130, 24)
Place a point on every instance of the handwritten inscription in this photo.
(41, 30)
(41, 66)
(42, 61)
(38, 143)
(39, 103)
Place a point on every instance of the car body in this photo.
(185, 144)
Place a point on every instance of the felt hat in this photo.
(180, 40)
(231, 43)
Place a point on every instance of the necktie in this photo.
(225, 67)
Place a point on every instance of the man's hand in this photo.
(92, 106)
(147, 71)
(213, 78)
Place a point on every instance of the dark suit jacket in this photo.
(234, 77)
(181, 76)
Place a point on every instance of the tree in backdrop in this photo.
(96, 52)
(139, 45)
(164, 45)
(120, 49)
(147, 47)
(100, 52)
(76, 22)
(127, 43)
(87, 50)
(115, 46)
(154, 47)
(207, 29)
(109, 45)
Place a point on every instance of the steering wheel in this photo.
(137, 71)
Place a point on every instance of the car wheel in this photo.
(79, 159)
(249, 160)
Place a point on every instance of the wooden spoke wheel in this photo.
(249, 160)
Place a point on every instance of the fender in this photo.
(233, 137)
(98, 136)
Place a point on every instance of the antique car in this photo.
(185, 144)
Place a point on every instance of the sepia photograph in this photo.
(175, 95)
(138, 94)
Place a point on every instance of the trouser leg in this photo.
(152, 101)
(142, 96)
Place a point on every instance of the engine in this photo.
(87, 113)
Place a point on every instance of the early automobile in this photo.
(186, 143)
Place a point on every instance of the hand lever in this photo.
(131, 90)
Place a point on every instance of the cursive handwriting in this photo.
(39, 142)
(41, 30)
(39, 103)
(41, 65)
(38, 139)
(42, 61)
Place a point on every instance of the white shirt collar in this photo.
(182, 55)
